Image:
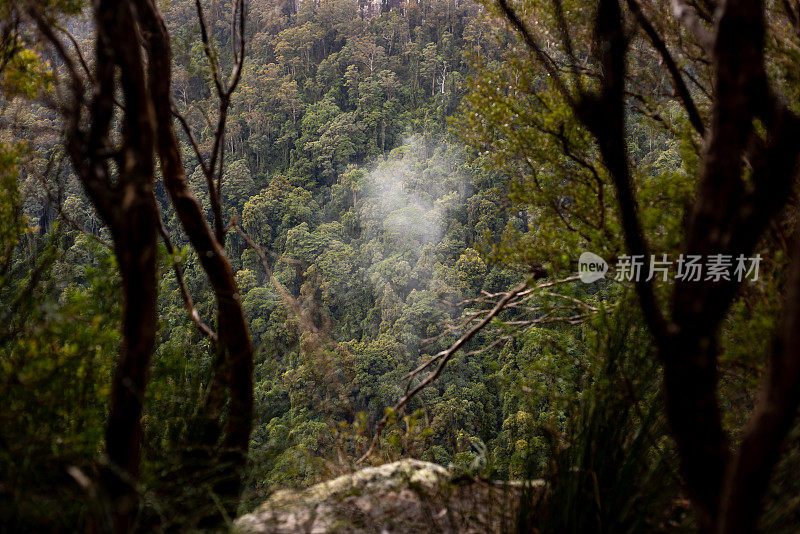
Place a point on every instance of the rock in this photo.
(404, 496)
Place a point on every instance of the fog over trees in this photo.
(248, 246)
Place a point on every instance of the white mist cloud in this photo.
(407, 194)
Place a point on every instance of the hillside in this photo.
(370, 263)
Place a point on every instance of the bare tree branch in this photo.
(192, 141)
(233, 370)
(207, 49)
(677, 80)
(444, 356)
(688, 17)
(185, 294)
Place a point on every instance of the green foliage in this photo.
(57, 350)
(25, 75)
(613, 467)
(376, 224)
(12, 223)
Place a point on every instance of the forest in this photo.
(255, 245)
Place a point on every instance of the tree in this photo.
(126, 203)
(132, 56)
(744, 177)
(234, 367)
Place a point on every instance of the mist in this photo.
(408, 194)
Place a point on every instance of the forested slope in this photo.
(340, 166)
(392, 197)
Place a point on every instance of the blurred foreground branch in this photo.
(504, 300)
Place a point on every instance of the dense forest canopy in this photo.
(247, 246)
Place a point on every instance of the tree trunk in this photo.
(135, 244)
(234, 366)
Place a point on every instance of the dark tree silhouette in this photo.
(729, 216)
(132, 60)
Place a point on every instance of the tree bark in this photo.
(135, 245)
(234, 367)
(127, 206)
(749, 471)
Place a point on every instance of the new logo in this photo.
(591, 267)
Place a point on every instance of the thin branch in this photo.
(77, 49)
(563, 30)
(187, 296)
(444, 356)
(46, 30)
(546, 61)
(677, 80)
(688, 17)
(793, 14)
(238, 60)
(214, 170)
(212, 58)
(80, 146)
(188, 131)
